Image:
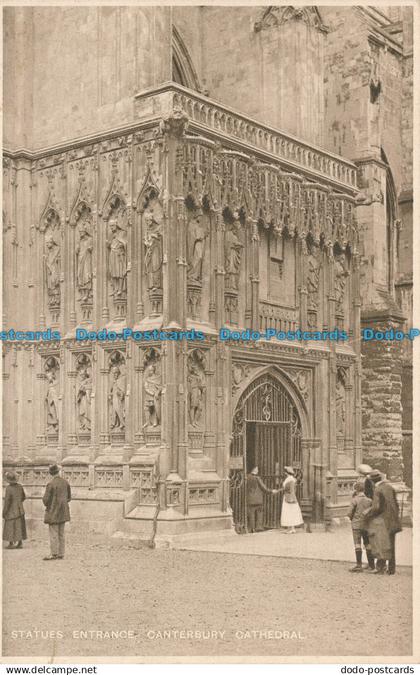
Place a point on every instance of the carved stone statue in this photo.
(53, 270)
(118, 260)
(341, 274)
(340, 406)
(196, 390)
(83, 398)
(153, 254)
(233, 253)
(51, 398)
(84, 264)
(153, 392)
(312, 279)
(197, 234)
(117, 394)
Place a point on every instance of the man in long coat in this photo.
(255, 489)
(383, 523)
(56, 501)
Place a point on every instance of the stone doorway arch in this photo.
(266, 431)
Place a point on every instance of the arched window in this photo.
(183, 71)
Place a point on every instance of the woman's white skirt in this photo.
(291, 515)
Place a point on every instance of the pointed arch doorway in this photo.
(267, 432)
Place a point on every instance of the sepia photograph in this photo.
(207, 332)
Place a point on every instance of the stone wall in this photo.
(78, 68)
(381, 404)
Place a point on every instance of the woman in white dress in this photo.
(291, 515)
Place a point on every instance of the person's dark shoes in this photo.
(60, 557)
(379, 571)
(356, 568)
(50, 557)
(390, 571)
(11, 545)
(19, 545)
(371, 560)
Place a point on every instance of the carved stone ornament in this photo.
(175, 124)
(274, 16)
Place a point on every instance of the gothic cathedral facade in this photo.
(188, 169)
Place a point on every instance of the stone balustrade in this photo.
(206, 115)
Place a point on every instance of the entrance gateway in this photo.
(266, 433)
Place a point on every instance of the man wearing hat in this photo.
(14, 529)
(56, 501)
(383, 522)
(255, 489)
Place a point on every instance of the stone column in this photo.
(220, 271)
(301, 260)
(356, 342)
(254, 278)
(174, 297)
(332, 370)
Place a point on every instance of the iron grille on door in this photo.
(267, 434)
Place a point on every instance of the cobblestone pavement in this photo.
(311, 607)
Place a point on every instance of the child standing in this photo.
(359, 504)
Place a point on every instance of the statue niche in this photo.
(312, 282)
(153, 253)
(340, 403)
(233, 248)
(117, 392)
(341, 273)
(83, 394)
(196, 380)
(52, 262)
(84, 255)
(152, 383)
(197, 233)
(117, 263)
(52, 371)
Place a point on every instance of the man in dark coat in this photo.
(56, 501)
(13, 512)
(384, 509)
(255, 489)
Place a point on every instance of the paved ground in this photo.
(320, 545)
(311, 607)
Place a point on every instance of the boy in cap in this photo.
(359, 504)
(56, 501)
(364, 471)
